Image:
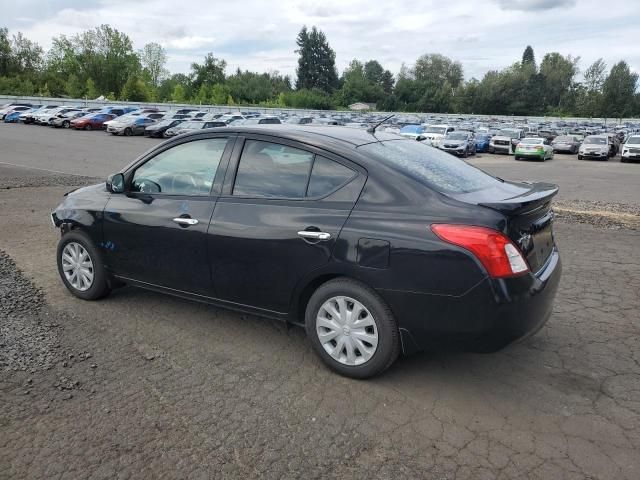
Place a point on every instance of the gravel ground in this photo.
(28, 332)
(47, 181)
(600, 214)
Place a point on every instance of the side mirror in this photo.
(115, 183)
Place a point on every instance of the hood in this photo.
(453, 142)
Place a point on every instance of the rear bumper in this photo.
(488, 317)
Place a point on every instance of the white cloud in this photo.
(259, 35)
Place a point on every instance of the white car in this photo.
(595, 146)
(506, 140)
(631, 149)
(434, 134)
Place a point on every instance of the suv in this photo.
(506, 140)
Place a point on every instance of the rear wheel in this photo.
(127, 132)
(80, 266)
(65, 124)
(352, 329)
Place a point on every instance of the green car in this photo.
(535, 149)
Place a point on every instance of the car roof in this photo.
(313, 134)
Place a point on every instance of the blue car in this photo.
(14, 117)
(412, 131)
(482, 142)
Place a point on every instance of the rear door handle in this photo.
(185, 221)
(311, 235)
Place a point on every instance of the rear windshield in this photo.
(430, 166)
(634, 139)
(532, 141)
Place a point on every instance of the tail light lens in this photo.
(497, 253)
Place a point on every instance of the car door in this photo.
(282, 209)
(155, 232)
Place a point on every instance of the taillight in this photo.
(497, 253)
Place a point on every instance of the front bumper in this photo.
(487, 318)
(454, 150)
(500, 148)
(598, 155)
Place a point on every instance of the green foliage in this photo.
(153, 58)
(210, 72)
(303, 98)
(74, 87)
(135, 90)
(317, 61)
(90, 89)
(528, 57)
(619, 91)
(178, 95)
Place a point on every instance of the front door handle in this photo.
(185, 221)
(311, 235)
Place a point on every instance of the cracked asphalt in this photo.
(142, 385)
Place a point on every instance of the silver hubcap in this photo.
(77, 266)
(347, 331)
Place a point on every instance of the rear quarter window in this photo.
(431, 167)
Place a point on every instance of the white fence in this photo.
(276, 111)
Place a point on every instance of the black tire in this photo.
(466, 153)
(65, 124)
(100, 287)
(127, 132)
(517, 157)
(388, 347)
(579, 157)
(88, 127)
(623, 160)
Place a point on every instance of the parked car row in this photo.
(458, 136)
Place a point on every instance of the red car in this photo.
(91, 122)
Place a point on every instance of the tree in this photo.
(153, 59)
(316, 62)
(619, 90)
(5, 52)
(528, 58)
(135, 90)
(210, 72)
(589, 102)
(559, 73)
(74, 87)
(178, 95)
(438, 69)
(90, 89)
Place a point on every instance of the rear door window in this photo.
(327, 176)
(271, 170)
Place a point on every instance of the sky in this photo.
(260, 35)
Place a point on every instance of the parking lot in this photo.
(142, 385)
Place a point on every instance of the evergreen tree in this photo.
(317, 61)
(528, 58)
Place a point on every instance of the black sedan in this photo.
(157, 129)
(376, 244)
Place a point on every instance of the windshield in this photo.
(634, 139)
(430, 166)
(508, 133)
(595, 141)
(438, 130)
(564, 139)
(457, 136)
(532, 141)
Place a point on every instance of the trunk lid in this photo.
(527, 207)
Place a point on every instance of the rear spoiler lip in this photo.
(540, 194)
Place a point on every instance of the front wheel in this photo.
(80, 266)
(127, 132)
(352, 329)
(88, 127)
